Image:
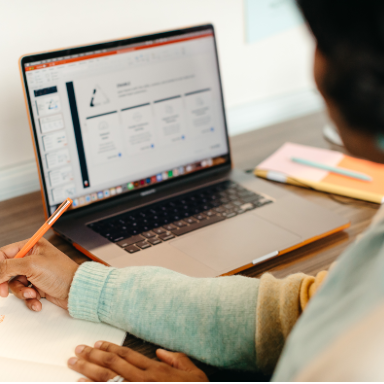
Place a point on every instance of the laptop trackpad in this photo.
(235, 242)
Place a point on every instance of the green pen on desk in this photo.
(325, 167)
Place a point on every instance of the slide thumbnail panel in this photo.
(61, 193)
(60, 176)
(58, 159)
(51, 123)
(55, 141)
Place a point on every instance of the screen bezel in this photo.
(108, 45)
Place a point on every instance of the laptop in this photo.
(134, 131)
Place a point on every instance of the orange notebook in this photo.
(280, 167)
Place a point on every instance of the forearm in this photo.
(212, 320)
(233, 322)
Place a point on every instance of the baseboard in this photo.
(18, 180)
(22, 178)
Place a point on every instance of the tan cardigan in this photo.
(279, 306)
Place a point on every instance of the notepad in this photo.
(322, 180)
(35, 346)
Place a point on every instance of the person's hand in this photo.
(106, 361)
(48, 270)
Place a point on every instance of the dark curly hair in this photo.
(350, 34)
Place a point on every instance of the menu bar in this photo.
(113, 51)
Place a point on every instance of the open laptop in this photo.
(134, 131)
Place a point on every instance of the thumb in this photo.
(11, 250)
(14, 267)
(176, 359)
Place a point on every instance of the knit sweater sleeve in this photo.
(232, 322)
(211, 319)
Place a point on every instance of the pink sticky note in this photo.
(281, 161)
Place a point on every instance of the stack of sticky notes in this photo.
(309, 167)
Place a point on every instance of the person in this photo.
(333, 321)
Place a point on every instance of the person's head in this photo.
(349, 69)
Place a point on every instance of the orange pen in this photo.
(42, 231)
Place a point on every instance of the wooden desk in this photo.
(21, 217)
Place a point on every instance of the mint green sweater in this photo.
(212, 320)
(215, 320)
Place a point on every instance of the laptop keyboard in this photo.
(151, 225)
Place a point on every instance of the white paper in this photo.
(35, 346)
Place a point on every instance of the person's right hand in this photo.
(49, 270)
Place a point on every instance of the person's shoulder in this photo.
(365, 255)
(362, 343)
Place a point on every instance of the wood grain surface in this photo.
(22, 216)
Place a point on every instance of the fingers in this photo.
(90, 370)
(134, 358)
(176, 359)
(19, 287)
(8, 252)
(34, 305)
(4, 290)
(107, 362)
(11, 250)
(14, 267)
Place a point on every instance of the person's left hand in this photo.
(106, 361)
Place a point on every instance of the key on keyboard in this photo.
(146, 227)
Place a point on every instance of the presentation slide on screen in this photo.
(58, 159)
(60, 176)
(136, 117)
(51, 123)
(48, 105)
(61, 193)
(55, 141)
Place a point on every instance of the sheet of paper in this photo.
(47, 338)
(280, 161)
(26, 371)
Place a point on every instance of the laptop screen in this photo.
(117, 118)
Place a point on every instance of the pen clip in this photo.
(59, 211)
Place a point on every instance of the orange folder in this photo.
(280, 163)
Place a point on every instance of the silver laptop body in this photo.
(134, 131)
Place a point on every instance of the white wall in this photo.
(276, 66)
